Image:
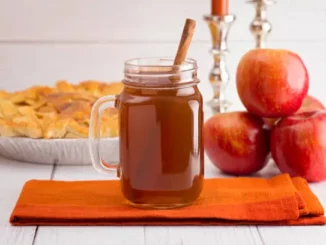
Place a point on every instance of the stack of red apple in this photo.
(281, 119)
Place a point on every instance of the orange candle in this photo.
(220, 7)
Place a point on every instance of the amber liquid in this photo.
(161, 147)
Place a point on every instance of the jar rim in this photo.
(142, 63)
(159, 72)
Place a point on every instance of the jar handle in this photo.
(94, 135)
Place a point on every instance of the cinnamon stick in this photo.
(187, 34)
(146, 168)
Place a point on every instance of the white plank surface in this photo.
(147, 20)
(89, 235)
(293, 235)
(202, 235)
(13, 175)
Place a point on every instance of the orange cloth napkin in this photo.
(276, 201)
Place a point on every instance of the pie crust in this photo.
(58, 112)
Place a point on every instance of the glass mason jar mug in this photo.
(160, 129)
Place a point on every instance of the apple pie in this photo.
(61, 111)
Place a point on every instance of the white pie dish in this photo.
(56, 151)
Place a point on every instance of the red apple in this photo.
(236, 142)
(310, 103)
(298, 145)
(272, 83)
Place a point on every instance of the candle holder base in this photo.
(218, 106)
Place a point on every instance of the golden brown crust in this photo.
(66, 128)
(7, 129)
(4, 94)
(59, 112)
(64, 86)
(27, 126)
(8, 109)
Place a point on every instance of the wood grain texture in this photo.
(146, 20)
(13, 175)
(89, 235)
(293, 235)
(202, 235)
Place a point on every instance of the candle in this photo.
(220, 7)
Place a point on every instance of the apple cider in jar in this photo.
(161, 145)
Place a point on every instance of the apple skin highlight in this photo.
(236, 142)
(272, 83)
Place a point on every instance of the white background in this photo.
(42, 41)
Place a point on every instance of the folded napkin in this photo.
(280, 200)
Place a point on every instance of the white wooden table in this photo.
(42, 41)
(13, 175)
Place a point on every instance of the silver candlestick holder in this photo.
(260, 27)
(219, 77)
